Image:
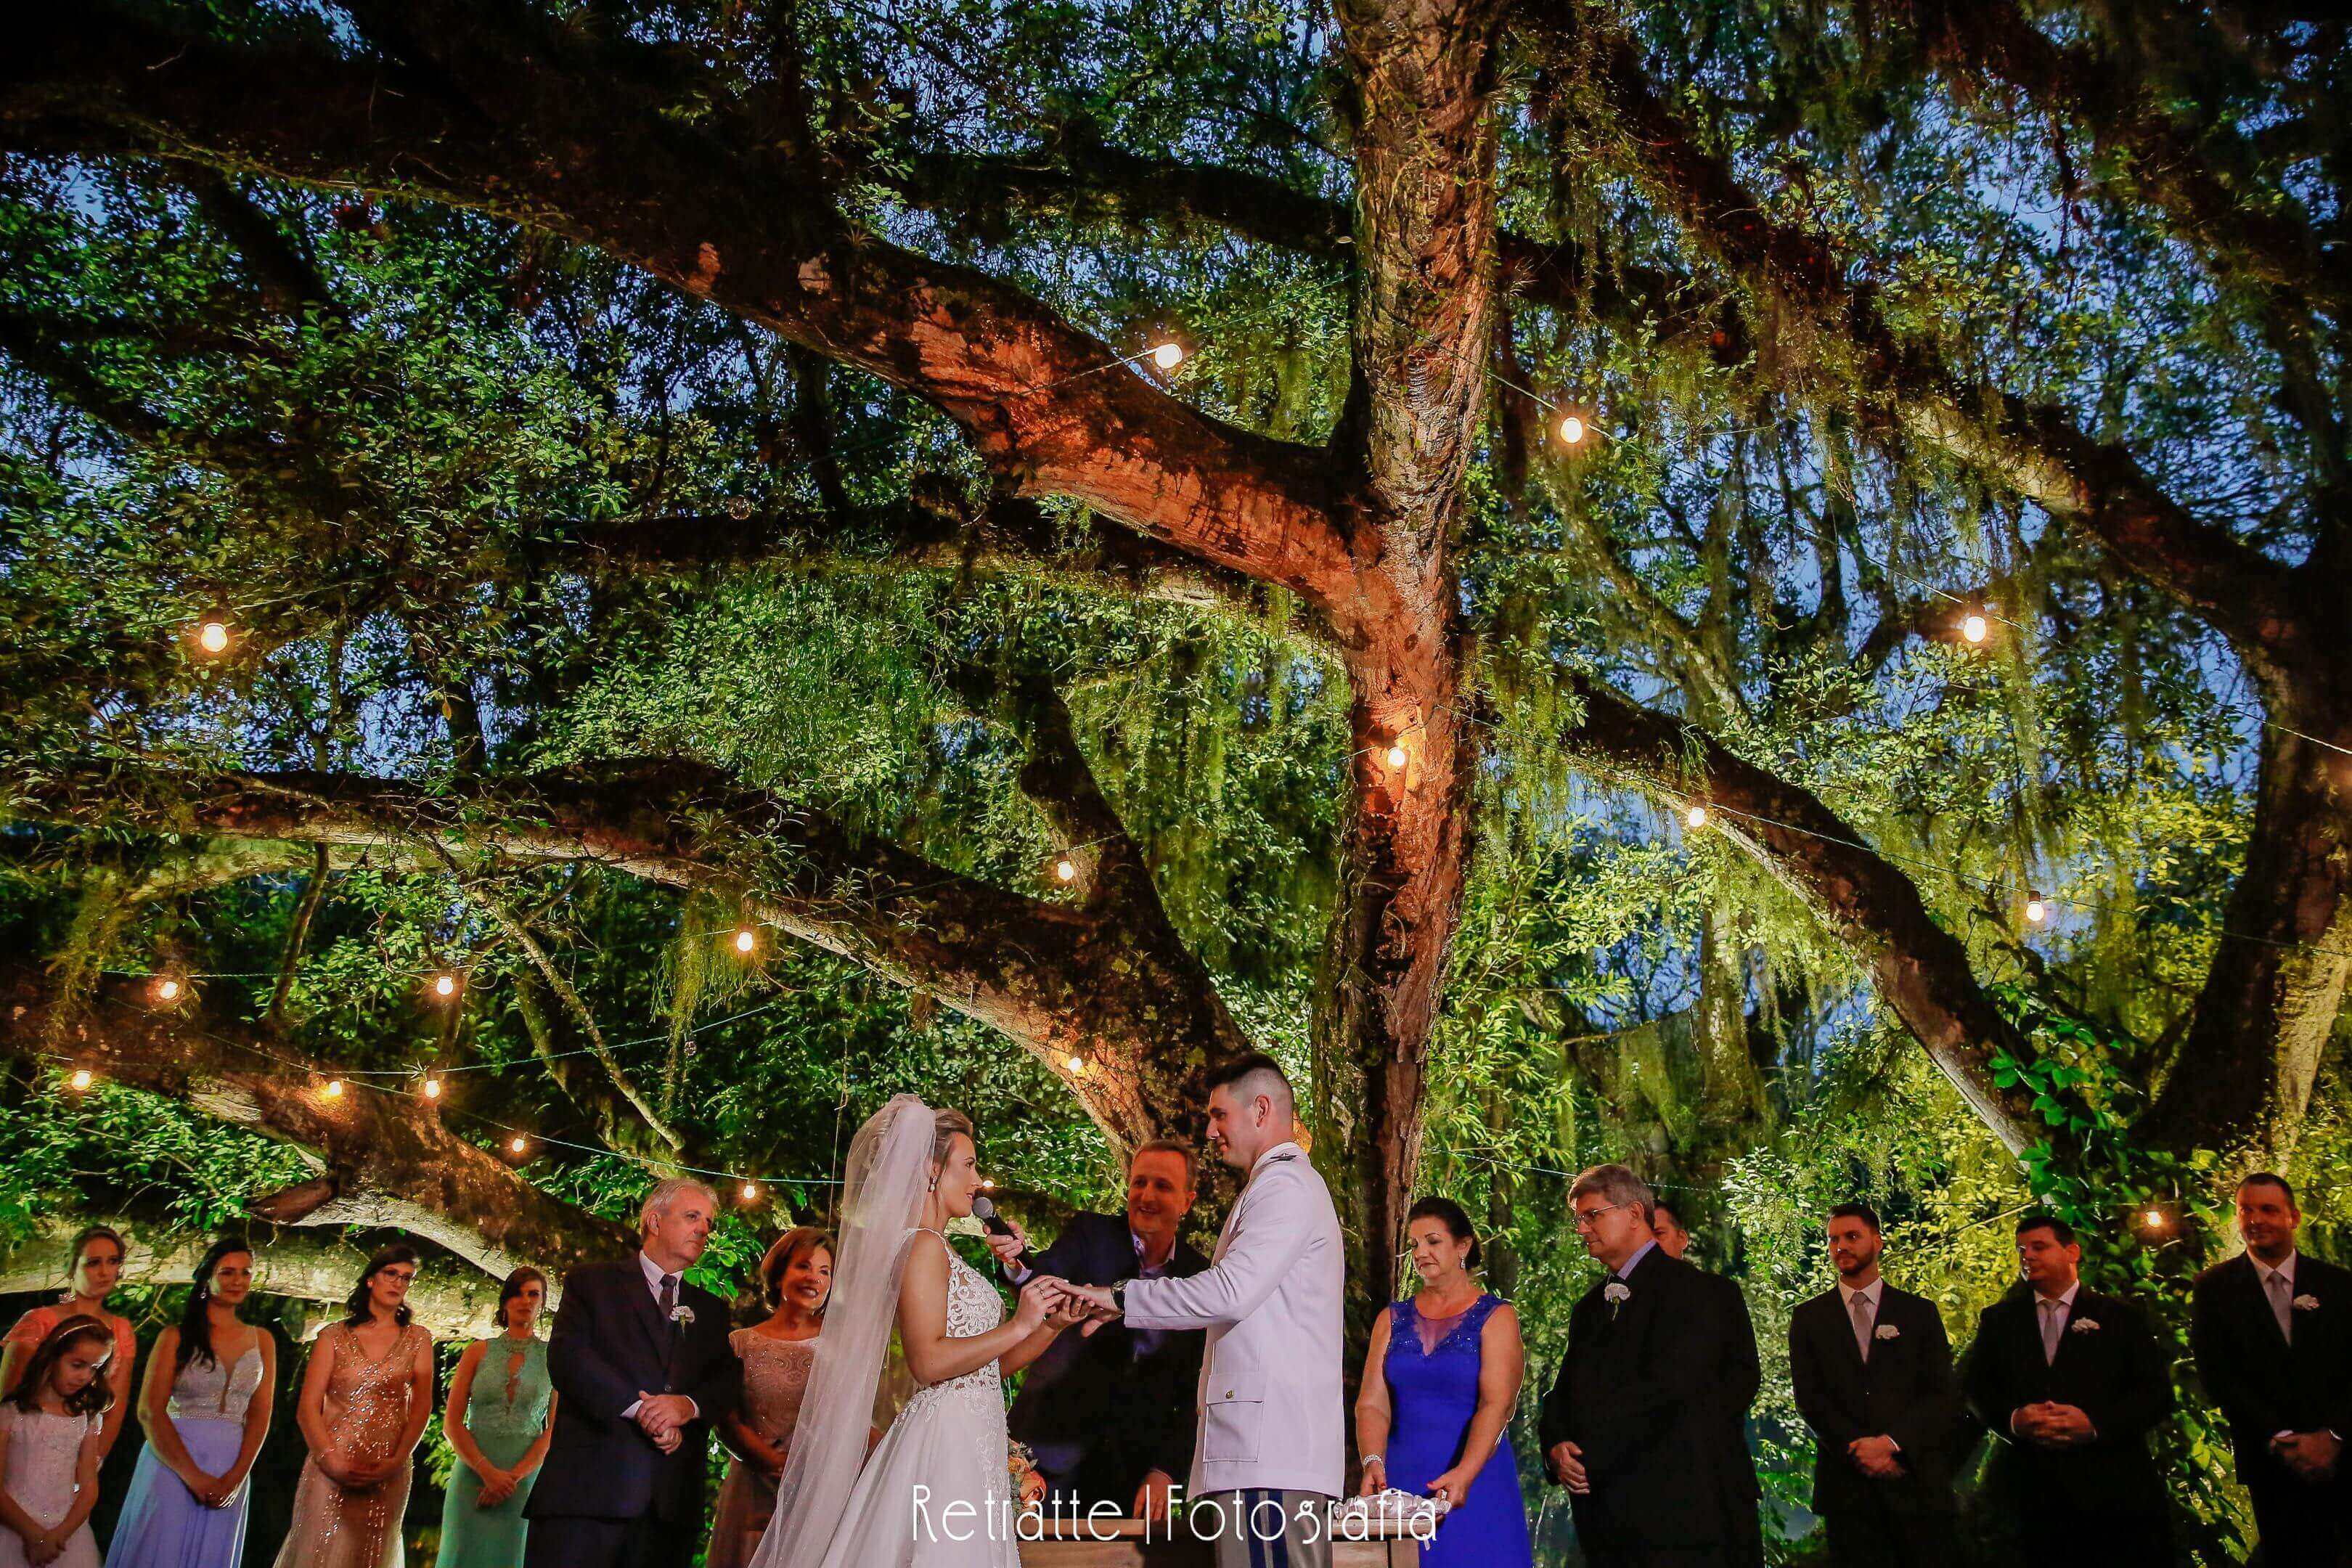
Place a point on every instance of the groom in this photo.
(1268, 1459)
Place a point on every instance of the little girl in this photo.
(52, 1436)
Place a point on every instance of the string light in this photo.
(1066, 869)
(432, 1089)
(1571, 430)
(2036, 910)
(445, 986)
(167, 989)
(1077, 1065)
(213, 637)
(82, 1078)
(1975, 627)
(750, 1191)
(1168, 355)
(988, 1183)
(1397, 755)
(334, 1090)
(2156, 1218)
(518, 1143)
(738, 508)
(746, 940)
(1694, 819)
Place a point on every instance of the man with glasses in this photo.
(1645, 1425)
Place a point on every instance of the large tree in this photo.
(469, 350)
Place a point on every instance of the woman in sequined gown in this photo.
(501, 1409)
(205, 1409)
(776, 1357)
(364, 1404)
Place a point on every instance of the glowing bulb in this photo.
(1975, 627)
(518, 1143)
(2036, 912)
(334, 1090)
(167, 990)
(82, 1078)
(1079, 1065)
(750, 1191)
(213, 637)
(432, 1089)
(1694, 819)
(1571, 430)
(445, 986)
(1397, 755)
(1168, 356)
(2156, 1217)
(1066, 869)
(745, 941)
(988, 1183)
(738, 508)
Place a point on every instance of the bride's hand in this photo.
(1070, 1312)
(1039, 1300)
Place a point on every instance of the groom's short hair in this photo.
(1620, 1185)
(1253, 1075)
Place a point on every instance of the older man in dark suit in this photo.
(1109, 1414)
(1644, 1426)
(2273, 1337)
(641, 1360)
(2071, 1382)
(1874, 1379)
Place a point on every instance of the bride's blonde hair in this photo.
(945, 1125)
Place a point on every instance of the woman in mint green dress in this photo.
(501, 1409)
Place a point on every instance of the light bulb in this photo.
(167, 989)
(432, 1089)
(750, 1191)
(738, 506)
(1066, 869)
(82, 1078)
(988, 1183)
(1079, 1065)
(1975, 627)
(2036, 912)
(1168, 356)
(213, 637)
(334, 1090)
(518, 1143)
(445, 986)
(1571, 430)
(1398, 756)
(2156, 1217)
(745, 941)
(1694, 819)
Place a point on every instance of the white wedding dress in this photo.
(949, 1442)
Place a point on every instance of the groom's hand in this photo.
(1097, 1298)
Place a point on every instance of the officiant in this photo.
(1109, 1415)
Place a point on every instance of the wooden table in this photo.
(1120, 1543)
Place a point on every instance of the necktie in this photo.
(1861, 1306)
(2053, 1323)
(677, 1331)
(2282, 1307)
(669, 1300)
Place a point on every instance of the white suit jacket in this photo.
(1271, 1403)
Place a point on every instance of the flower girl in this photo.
(52, 1435)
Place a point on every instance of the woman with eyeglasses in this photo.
(1439, 1379)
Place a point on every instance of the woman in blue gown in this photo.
(1435, 1419)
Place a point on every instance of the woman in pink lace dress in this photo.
(776, 1356)
(364, 1404)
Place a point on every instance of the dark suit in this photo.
(1655, 1392)
(1906, 1391)
(606, 1496)
(2266, 1384)
(1103, 1411)
(2106, 1491)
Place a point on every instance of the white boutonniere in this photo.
(1616, 1294)
(1886, 1331)
(2306, 1303)
(2083, 1326)
(682, 1315)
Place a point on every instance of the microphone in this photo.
(983, 1209)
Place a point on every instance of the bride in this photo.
(937, 1492)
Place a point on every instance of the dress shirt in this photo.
(2043, 1315)
(1626, 1270)
(1868, 1293)
(654, 1278)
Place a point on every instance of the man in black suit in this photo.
(1645, 1425)
(641, 1368)
(1673, 1235)
(2273, 1337)
(2071, 1382)
(1108, 1414)
(1874, 1380)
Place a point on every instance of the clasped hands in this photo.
(664, 1419)
(2052, 1424)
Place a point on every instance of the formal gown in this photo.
(336, 1526)
(43, 1450)
(505, 1412)
(1433, 1376)
(775, 1376)
(163, 1525)
(949, 1440)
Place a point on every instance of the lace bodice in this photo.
(775, 1379)
(511, 1389)
(973, 1308)
(215, 1390)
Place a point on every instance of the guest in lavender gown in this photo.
(206, 1409)
(1439, 1380)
